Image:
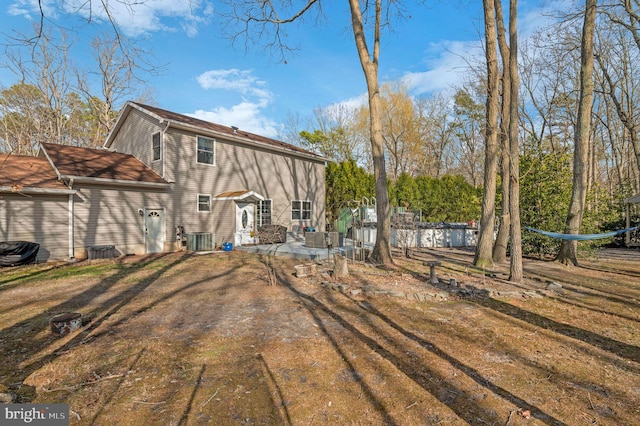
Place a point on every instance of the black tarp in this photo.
(14, 253)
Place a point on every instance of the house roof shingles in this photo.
(98, 163)
(231, 131)
(21, 171)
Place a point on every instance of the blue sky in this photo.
(207, 77)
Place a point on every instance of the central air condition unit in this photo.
(200, 241)
(319, 239)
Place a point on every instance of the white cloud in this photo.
(242, 81)
(245, 115)
(447, 66)
(133, 17)
(542, 17)
(249, 113)
(30, 9)
(351, 103)
(447, 61)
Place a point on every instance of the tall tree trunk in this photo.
(502, 239)
(483, 255)
(382, 249)
(515, 267)
(582, 134)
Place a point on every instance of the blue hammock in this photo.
(581, 237)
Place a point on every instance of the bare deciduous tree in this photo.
(568, 248)
(118, 63)
(515, 264)
(401, 131)
(21, 107)
(468, 127)
(47, 68)
(334, 131)
(483, 255)
(437, 134)
(502, 239)
(266, 19)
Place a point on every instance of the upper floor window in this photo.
(300, 210)
(155, 146)
(206, 150)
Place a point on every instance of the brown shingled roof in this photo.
(98, 163)
(236, 132)
(21, 171)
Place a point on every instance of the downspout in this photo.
(71, 222)
(164, 150)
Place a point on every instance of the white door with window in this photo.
(245, 219)
(154, 230)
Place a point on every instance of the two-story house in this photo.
(160, 175)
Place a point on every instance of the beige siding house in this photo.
(158, 177)
(224, 181)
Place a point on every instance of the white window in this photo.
(206, 150)
(155, 146)
(264, 212)
(204, 203)
(300, 210)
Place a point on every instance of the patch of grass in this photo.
(39, 273)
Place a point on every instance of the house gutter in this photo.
(36, 191)
(117, 182)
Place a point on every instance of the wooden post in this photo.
(433, 279)
(340, 266)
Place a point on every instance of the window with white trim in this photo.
(204, 203)
(206, 150)
(300, 210)
(155, 146)
(263, 216)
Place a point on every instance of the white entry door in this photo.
(154, 230)
(245, 213)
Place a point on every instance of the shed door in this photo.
(154, 230)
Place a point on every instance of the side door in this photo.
(154, 230)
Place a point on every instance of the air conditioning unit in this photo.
(319, 239)
(200, 241)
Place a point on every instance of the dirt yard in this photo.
(184, 339)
